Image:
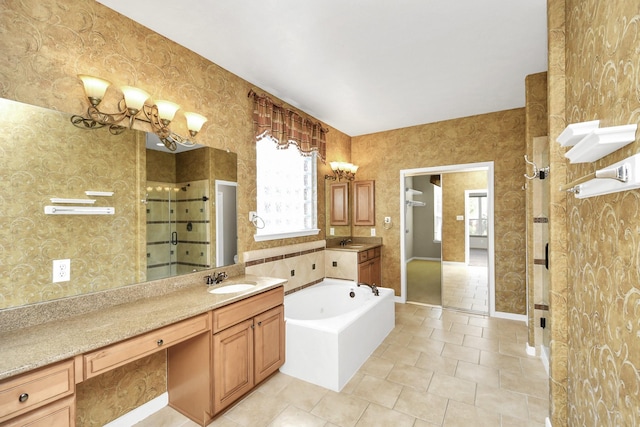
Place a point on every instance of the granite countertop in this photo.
(353, 247)
(28, 348)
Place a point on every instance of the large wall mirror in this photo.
(170, 208)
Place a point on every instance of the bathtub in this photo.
(330, 335)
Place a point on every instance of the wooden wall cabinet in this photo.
(339, 203)
(364, 207)
(369, 267)
(248, 345)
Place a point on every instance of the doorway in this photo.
(226, 217)
(447, 231)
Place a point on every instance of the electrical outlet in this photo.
(373, 232)
(313, 266)
(61, 270)
(332, 231)
(293, 273)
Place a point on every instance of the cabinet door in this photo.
(58, 414)
(232, 364)
(364, 203)
(340, 204)
(364, 272)
(376, 272)
(269, 342)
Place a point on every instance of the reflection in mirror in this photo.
(44, 156)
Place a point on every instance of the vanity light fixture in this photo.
(342, 170)
(134, 100)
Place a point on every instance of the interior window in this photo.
(437, 213)
(286, 192)
(478, 217)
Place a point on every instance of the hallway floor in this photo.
(436, 368)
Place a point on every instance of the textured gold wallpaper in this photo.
(603, 251)
(453, 188)
(497, 137)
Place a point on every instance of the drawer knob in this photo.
(160, 342)
(23, 397)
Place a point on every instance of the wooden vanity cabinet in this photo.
(247, 346)
(44, 397)
(369, 267)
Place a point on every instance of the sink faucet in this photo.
(373, 287)
(215, 278)
(344, 242)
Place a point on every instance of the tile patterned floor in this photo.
(436, 368)
(465, 287)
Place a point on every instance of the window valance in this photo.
(287, 127)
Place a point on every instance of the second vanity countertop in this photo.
(25, 349)
(354, 247)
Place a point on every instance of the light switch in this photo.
(460, 218)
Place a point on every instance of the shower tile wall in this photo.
(540, 240)
(172, 209)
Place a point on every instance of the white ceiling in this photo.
(364, 66)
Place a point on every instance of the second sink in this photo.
(233, 288)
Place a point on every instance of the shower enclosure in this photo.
(178, 228)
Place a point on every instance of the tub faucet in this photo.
(373, 287)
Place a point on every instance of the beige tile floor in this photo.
(436, 368)
(465, 287)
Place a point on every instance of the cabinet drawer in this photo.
(362, 256)
(246, 308)
(119, 354)
(61, 413)
(36, 389)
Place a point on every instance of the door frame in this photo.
(435, 170)
(220, 220)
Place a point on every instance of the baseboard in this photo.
(141, 412)
(544, 356)
(420, 258)
(547, 422)
(510, 316)
(531, 350)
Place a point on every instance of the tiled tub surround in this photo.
(301, 265)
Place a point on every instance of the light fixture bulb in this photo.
(94, 88)
(334, 165)
(134, 98)
(354, 169)
(194, 122)
(166, 111)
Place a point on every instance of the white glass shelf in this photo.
(601, 142)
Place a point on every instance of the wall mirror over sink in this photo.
(165, 207)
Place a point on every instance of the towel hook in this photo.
(541, 173)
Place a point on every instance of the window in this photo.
(437, 213)
(286, 192)
(478, 215)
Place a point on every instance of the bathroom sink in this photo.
(230, 289)
(353, 246)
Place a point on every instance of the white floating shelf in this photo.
(73, 201)
(79, 210)
(600, 186)
(601, 142)
(99, 193)
(573, 133)
(412, 191)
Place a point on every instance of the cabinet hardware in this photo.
(23, 397)
(160, 342)
(260, 323)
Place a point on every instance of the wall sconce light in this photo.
(159, 115)
(342, 170)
